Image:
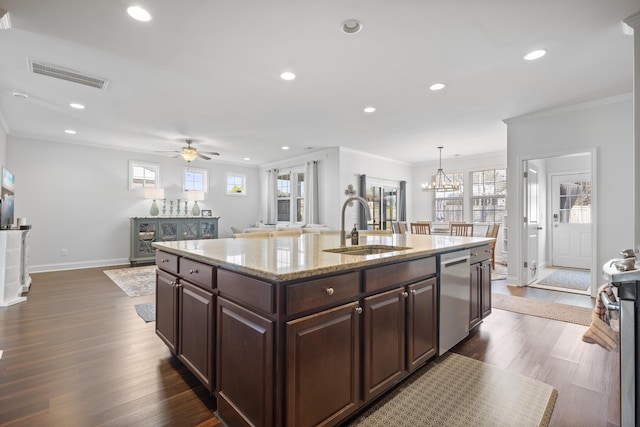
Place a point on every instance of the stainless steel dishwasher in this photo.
(455, 299)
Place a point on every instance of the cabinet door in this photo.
(166, 309)
(196, 328)
(208, 229)
(384, 341)
(244, 366)
(168, 231)
(143, 233)
(323, 367)
(485, 273)
(474, 304)
(422, 323)
(188, 230)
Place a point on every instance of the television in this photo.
(7, 190)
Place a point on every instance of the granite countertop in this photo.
(288, 258)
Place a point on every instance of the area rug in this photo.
(579, 280)
(539, 308)
(134, 281)
(146, 311)
(457, 391)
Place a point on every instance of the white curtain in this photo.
(272, 191)
(311, 209)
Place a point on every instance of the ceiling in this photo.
(209, 70)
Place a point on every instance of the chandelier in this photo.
(441, 181)
(189, 153)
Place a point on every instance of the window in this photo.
(489, 195)
(448, 205)
(236, 184)
(575, 202)
(290, 195)
(143, 175)
(195, 179)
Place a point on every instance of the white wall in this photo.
(604, 127)
(3, 140)
(77, 198)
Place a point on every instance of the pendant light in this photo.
(441, 181)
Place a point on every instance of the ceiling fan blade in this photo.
(202, 156)
(212, 153)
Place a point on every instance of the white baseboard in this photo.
(77, 265)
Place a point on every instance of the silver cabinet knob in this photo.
(358, 310)
(405, 294)
(329, 291)
(193, 271)
(413, 291)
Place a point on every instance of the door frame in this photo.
(515, 221)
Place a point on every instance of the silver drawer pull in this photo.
(193, 271)
(358, 310)
(488, 250)
(474, 254)
(172, 284)
(329, 291)
(163, 260)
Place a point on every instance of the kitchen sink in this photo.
(366, 250)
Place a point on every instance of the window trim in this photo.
(243, 193)
(205, 178)
(147, 165)
(293, 198)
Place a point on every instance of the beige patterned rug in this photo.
(456, 391)
(539, 308)
(134, 281)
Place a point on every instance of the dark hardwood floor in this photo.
(76, 354)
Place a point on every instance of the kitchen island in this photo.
(286, 332)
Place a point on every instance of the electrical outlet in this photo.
(64, 252)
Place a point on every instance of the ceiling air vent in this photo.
(67, 74)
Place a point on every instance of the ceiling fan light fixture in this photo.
(189, 153)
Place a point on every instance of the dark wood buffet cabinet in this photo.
(307, 352)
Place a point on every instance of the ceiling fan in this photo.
(189, 153)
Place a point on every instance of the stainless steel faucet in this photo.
(343, 239)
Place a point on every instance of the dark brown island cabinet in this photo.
(305, 352)
(480, 306)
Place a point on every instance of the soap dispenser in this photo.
(354, 235)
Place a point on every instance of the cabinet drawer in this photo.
(402, 272)
(197, 272)
(322, 292)
(480, 253)
(167, 261)
(253, 292)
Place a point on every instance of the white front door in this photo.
(571, 208)
(531, 223)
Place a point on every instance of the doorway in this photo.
(562, 204)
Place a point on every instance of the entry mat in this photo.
(457, 391)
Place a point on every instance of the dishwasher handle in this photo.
(454, 261)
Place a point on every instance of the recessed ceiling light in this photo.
(70, 131)
(535, 55)
(369, 109)
(284, 147)
(247, 158)
(139, 14)
(287, 75)
(436, 86)
(351, 26)
(20, 94)
(77, 106)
